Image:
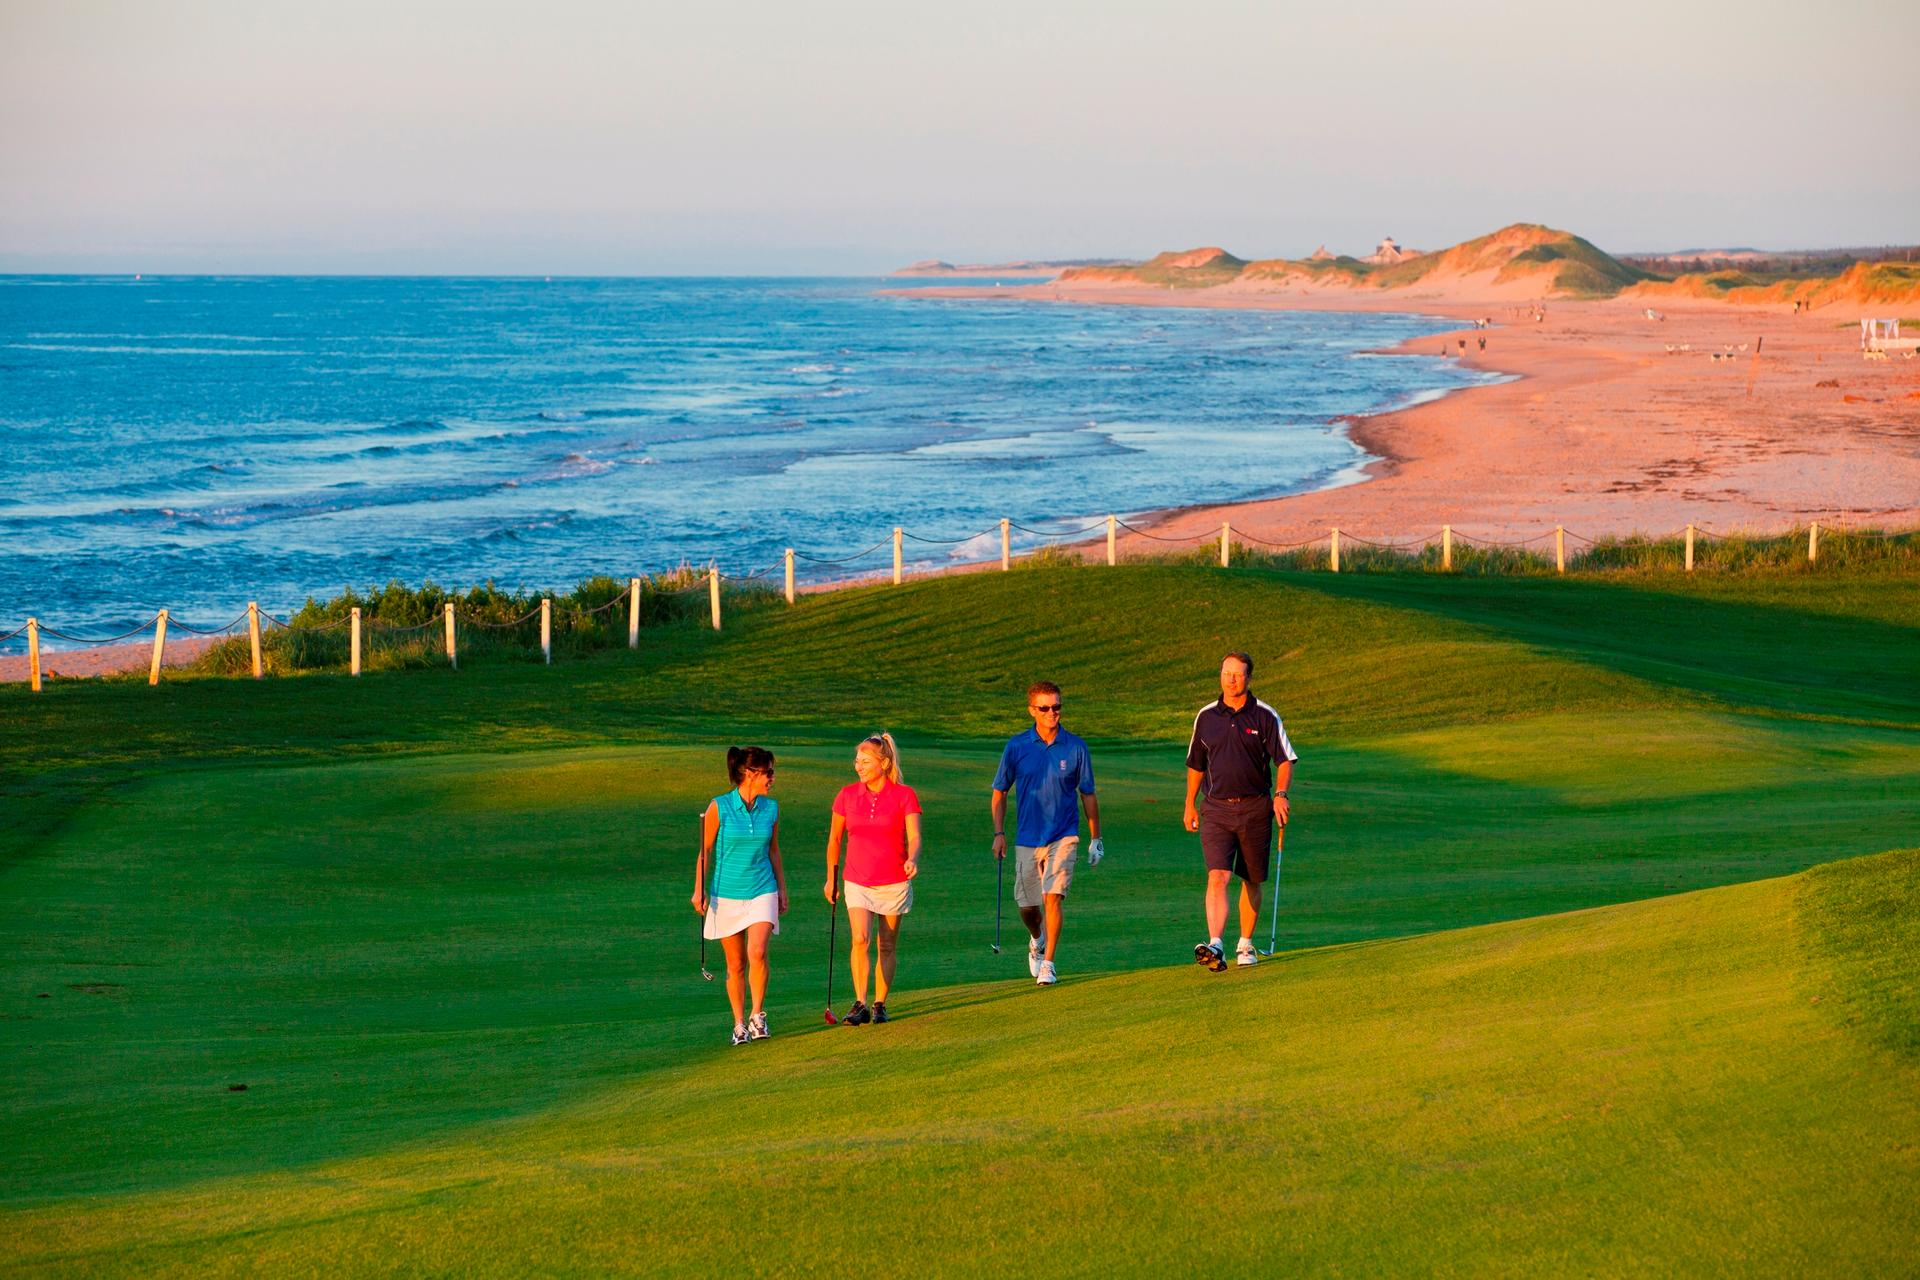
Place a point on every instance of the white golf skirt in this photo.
(728, 916)
(881, 899)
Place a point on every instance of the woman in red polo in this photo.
(880, 817)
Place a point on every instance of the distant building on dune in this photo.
(1387, 253)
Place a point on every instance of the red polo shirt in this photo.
(876, 831)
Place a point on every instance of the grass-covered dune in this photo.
(436, 923)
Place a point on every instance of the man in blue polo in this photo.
(1240, 753)
(1054, 776)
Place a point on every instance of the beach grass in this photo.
(436, 922)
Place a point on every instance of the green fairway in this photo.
(437, 923)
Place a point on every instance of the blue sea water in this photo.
(196, 443)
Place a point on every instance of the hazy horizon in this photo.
(601, 140)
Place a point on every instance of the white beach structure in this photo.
(1878, 337)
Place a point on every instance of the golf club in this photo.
(700, 845)
(833, 923)
(999, 892)
(1273, 922)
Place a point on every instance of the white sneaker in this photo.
(1245, 955)
(1046, 977)
(1033, 957)
(757, 1027)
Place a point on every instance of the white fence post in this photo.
(33, 651)
(633, 613)
(546, 629)
(1813, 541)
(354, 656)
(1334, 557)
(896, 555)
(1111, 523)
(1006, 548)
(1446, 546)
(453, 652)
(789, 575)
(253, 635)
(1226, 533)
(713, 595)
(1559, 549)
(159, 647)
(1689, 548)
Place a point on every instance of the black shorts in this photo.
(1235, 835)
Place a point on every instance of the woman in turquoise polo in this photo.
(738, 884)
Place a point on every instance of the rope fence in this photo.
(1440, 551)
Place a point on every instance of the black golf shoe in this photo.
(879, 1011)
(1208, 956)
(859, 1015)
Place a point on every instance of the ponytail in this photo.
(883, 744)
(741, 759)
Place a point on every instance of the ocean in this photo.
(195, 443)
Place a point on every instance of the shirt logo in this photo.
(1063, 766)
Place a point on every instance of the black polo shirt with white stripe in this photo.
(1238, 749)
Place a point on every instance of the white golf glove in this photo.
(1096, 851)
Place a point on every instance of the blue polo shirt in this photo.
(742, 861)
(1050, 778)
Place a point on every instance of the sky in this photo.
(841, 137)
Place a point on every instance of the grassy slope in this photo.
(393, 949)
(1653, 1086)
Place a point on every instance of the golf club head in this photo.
(705, 974)
(831, 1020)
(995, 946)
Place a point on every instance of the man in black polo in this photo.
(1240, 751)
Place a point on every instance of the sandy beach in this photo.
(1603, 430)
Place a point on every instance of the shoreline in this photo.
(1599, 427)
(1596, 428)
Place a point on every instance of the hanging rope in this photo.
(87, 643)
(842, 559)
(1159, 537)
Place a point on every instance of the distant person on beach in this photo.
(738, 883)
(1239, 754)
(1483, 342)
(1054, 776)
(880, 817)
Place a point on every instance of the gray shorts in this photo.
(1043, 869)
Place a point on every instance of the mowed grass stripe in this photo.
(1648, 1086)
(387, 949)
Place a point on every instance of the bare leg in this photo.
(889, 938)
(1035, 922)
(1249, 907)
(1217, 902)
(757, 935)
(1053, 901)
(860, 925)
(735, 947)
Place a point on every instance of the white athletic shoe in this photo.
(757, 1027)
(1245, 955)
(739, 1033)
(1046, 976)
(1033, 957)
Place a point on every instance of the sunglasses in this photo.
(1051, 708)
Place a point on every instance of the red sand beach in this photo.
(1604, 430)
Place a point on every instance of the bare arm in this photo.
(773, 856)
(835, 831)
(1194, 778)
(1282, 779)
(913, 845)
(999, 807)
(1091, 803)
(709, 829)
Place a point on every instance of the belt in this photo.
(1234, 799)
